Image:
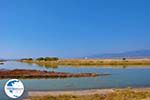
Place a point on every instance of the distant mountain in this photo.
(129, 54)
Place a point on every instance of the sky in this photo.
(72, 28)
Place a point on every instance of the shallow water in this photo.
(121, 77)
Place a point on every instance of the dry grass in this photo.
(89, 62)
(125, 94)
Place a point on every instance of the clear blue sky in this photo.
(72, 28)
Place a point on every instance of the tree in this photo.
(48, 59)
(51, 59)
(40, 58)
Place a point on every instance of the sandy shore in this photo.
(82, 92)
(92, 94)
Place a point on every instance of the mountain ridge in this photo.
(128, 54)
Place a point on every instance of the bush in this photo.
(48, 59)
(27, 59)
(30, 59)
(41, 58)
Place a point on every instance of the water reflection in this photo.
(122, 76)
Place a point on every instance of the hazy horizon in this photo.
(72, 28)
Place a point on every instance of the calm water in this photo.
(120, 78)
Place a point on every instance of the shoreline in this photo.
(85, 92)
(69, 92)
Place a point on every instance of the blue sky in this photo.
(72, 28)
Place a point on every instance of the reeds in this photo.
(89, 62)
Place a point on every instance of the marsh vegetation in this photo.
(49, 62)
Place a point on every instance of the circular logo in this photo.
(14, 88)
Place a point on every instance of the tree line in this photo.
(42, 59)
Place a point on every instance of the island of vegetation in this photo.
(54, 61)
(21, 73)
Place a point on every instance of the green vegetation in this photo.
(41, 59)
(30, 59)
(126, 94)
(47, 59)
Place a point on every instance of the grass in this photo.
(90, 62)
(125, 94)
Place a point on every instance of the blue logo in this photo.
(14, 88)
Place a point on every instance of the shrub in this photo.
(48, 59)
(27, 59)
(40, 58)
(51, 59)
